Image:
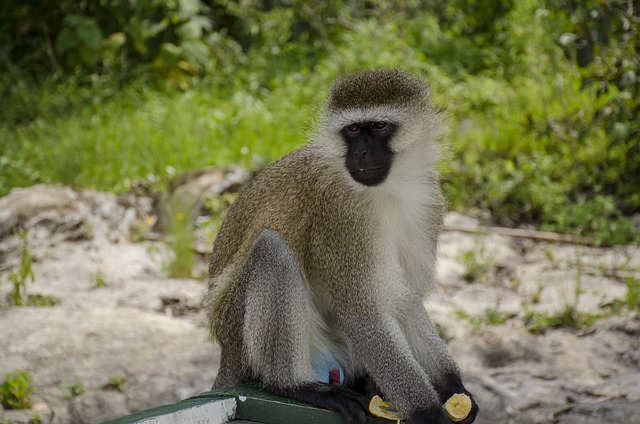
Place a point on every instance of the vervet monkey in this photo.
(323, 263)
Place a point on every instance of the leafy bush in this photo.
(544, 96)
(16, 391)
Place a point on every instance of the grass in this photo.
(16, 390)
(569, 317)
(99, 280)
(72, 390)
(491, 316)
(116, 383)
(182, 259)
(631, 300)
(527, 141)
(476, 267)
(22, 275)
(148, 134)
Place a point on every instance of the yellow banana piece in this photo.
(380, 408)
(458, 407)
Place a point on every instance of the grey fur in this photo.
(308, 263)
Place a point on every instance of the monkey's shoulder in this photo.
(292, 196)
(302, 179)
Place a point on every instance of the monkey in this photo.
(323, 262)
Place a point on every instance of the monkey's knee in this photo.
(271, 260)
(276, 322)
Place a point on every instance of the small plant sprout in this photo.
(99, 280)
(35, 419)
(182, 260)
(73, 390)
(116, 383)
(16, 391)
(632, 298)
(492, 316)
(537, 294)
(23, 274)
(476, 268)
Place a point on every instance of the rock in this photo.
(54, 214)
(23, 205)
(147, 330)
(609, 412)
(49, 214)
(502, 346)
(625, 386)
(188, 192)
(97, 407)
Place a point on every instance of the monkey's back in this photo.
(288, 196)
(283, 197)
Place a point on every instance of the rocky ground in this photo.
(129, 338)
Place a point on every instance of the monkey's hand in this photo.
(459, 409)
(431, 415)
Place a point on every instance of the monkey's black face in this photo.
(368, 154)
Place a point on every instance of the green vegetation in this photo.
(539, 322)
(492, 316)
(544, 95)
(18, 294)
(571, 317)
(16, 390)
(476, 267)
(24, 273)
(116, 383)
(631, 300)
(35, 419)
(99, 280)
(73, 390)
(182, 258)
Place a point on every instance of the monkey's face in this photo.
(369, 156)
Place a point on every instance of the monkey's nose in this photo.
(360, 154)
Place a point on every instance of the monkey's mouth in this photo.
(370, 176)
(365, 170)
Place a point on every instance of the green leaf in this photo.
(78, 20)
(168, 56)
(66, 40)
(91, 36)
(195, 51)
(194, 28)
(89, 56)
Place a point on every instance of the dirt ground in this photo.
(133, 338)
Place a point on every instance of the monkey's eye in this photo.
(354, 128)
(378, 125)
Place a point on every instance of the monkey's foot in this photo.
(351, 406)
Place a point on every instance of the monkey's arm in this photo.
(384, 351)
(433, 356)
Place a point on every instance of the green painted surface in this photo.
(268, 408)
(253, 406)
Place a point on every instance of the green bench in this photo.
(241, 404)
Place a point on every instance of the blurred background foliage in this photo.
(544, 95)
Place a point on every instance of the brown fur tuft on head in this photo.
(384, 87)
